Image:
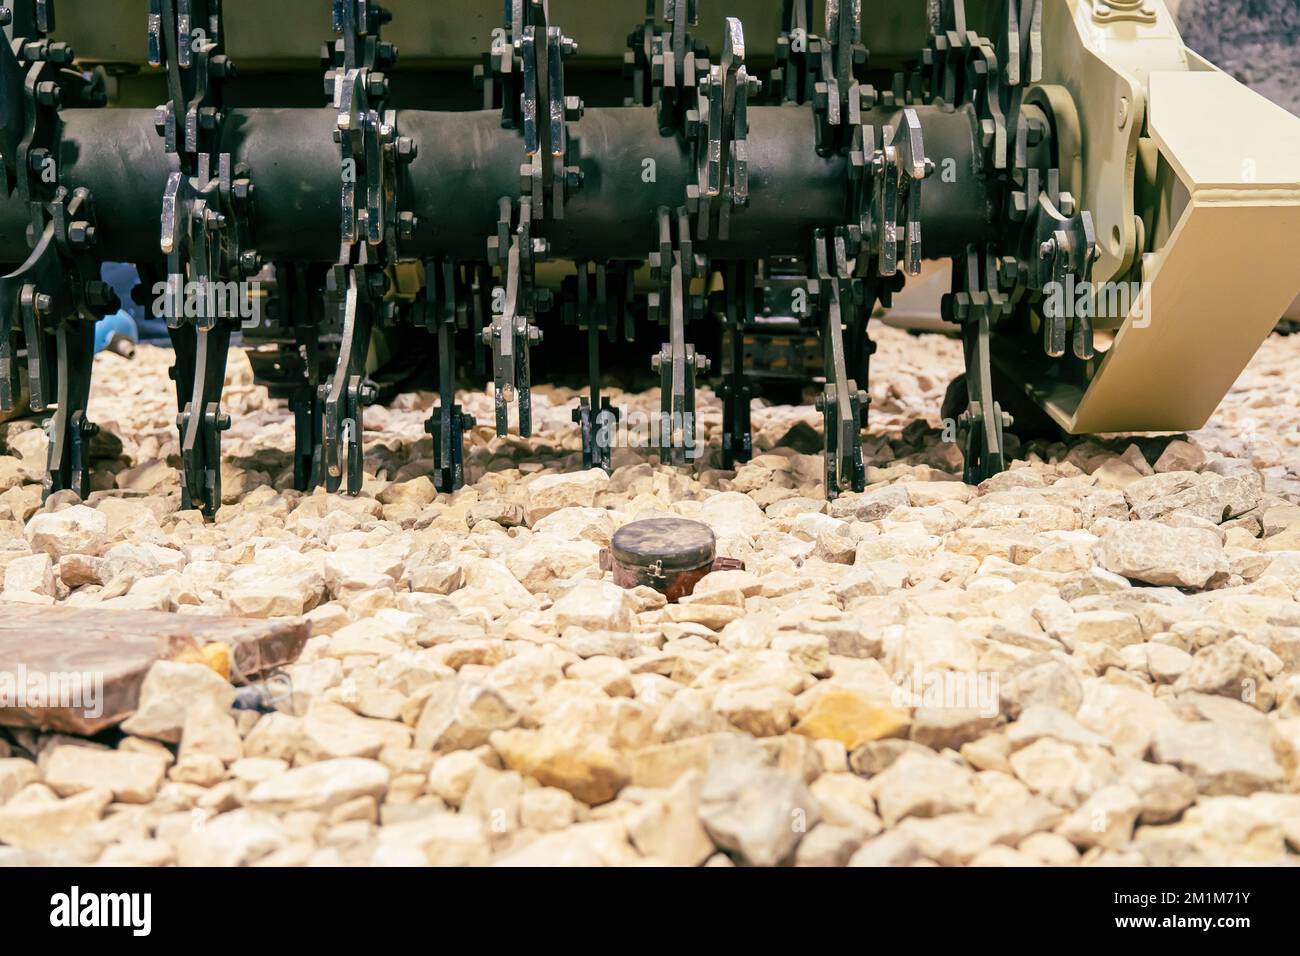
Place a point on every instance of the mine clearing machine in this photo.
(754, 178)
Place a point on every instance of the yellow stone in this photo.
(853, 718)
(215, 655)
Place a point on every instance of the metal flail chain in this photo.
(206, 232)
(530, 68)
(1043, 238)
(366, 132)
(54, 298)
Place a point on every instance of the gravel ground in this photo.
(1093, 658)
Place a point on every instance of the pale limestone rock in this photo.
(668, 828)
(168, 692)
(893, 848)
(828, 845)
(951, 727)
(199, 769)
(762, 711)
(956, 839)
(1050, 849)
(451, 775)
(139, 853)
(275, 736)
(1041, 679)
(756, 812)
(732, 515)
(75, 530)
(599, 843)
(320, 786)
(921, 786)
(549, 493)
(1043, 721)
(1105, 819)
(37, 819)
(445, 839)
(1163, 792)
(494, 797)
(1180, 456)
(547, 809)
(610, 674)
(443, 577)
(1235, 668)
(15, 773)
(1156, 554)
(332, 731)
(211, 731)
(595, 606)
(239, 838)
(33, 574)
(578, 524)
(1221, 759)
(265, 600)
(460, 714)
(1064, 773)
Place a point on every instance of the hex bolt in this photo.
(101, 295)
(48, 93)
(81, 233)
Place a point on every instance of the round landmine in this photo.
(667, 554)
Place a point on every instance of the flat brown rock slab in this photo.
(79, 670)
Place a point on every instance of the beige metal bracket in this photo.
(1114, 11)
(1217, 258)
